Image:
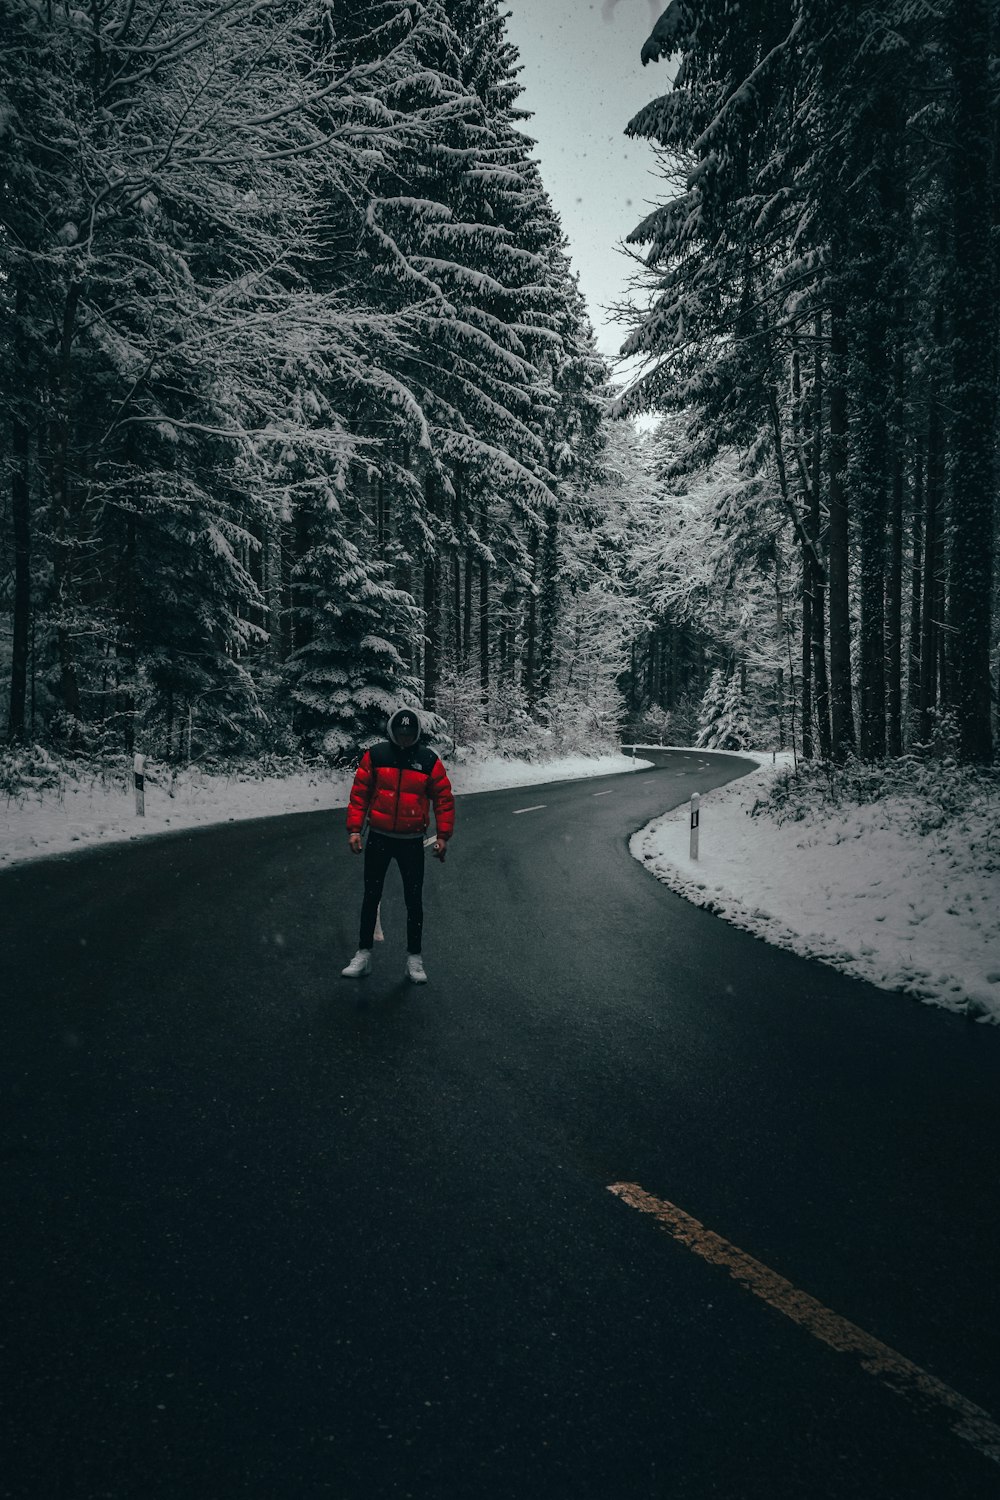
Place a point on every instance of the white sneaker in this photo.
(415, 968)
(360, 964)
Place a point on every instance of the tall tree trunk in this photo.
(506, 642)
(821, 696)
(933, 570)
(470, 568)
(894, 578)
(916, 602)
(531, 624)
(456, 606)
(128, 632)
(20, 487)
(548, 600)
(64, 518)
(286, 611)
(972, 449)
(806, 668)
(675, 664)
(894, 197)
(484, 612)
(20, 495)
(271, 565)
(841, 703)
(869, 491)
(806, 555)
(169, 727)
(456, 576)
(432, 624)
(431, 633)
(894, 607)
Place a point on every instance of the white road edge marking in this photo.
(604, 794)
(537, 808)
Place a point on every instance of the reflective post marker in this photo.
(695, 812)
(139, 778)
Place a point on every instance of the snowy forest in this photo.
(822, 326)
(304, 417)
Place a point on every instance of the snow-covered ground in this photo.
(100, 811)
(859, 888)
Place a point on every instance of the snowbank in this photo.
(102, 811)
(860, 888)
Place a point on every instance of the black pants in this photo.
(409, 855)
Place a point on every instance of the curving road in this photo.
(271, 1233)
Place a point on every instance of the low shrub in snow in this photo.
(34, 771)
(916, 795)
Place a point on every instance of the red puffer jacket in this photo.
(394, 789)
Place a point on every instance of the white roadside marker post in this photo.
(139, 781)
(695, 813)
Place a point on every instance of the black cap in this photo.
(405, 723)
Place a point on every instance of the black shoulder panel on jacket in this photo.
(421, 757)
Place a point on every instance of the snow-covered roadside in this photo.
(77, 816)
(861, 890)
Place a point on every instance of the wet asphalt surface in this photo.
(272, 1233)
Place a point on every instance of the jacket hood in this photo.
(404, 720)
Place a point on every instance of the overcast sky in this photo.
(583, 81)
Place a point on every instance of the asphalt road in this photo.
(272, 1233)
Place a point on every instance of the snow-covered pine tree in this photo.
(711, 709)
(347, 675)
(351, 530)
(203, 372)
(471, 252)
(724, 721)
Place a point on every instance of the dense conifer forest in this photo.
(303, 416)
(824, 278)
(302, 406)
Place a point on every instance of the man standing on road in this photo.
(394, 787)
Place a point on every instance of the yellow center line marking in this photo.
(537, 808)
(968, 1421)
